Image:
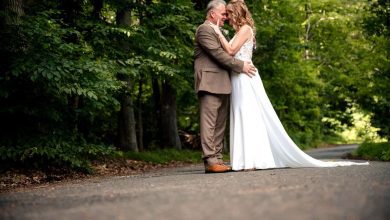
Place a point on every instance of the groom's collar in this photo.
(207, 22)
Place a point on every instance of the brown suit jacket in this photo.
(212, 64)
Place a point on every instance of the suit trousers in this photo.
(213, 116)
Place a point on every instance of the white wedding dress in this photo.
(257, 137)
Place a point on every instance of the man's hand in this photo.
(249, 69)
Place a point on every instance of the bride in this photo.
(257, 137)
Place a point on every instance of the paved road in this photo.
(333, 152)
(356, 192)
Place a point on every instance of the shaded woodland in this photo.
(84, 78)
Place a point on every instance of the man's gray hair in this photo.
(214, 4)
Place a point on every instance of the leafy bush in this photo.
(52, 152)
(163, 155)
(374, 151)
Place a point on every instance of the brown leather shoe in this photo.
(217, 168)
(227, 166)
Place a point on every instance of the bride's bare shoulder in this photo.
(245, 31)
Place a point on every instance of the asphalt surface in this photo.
(333, 152)
(355, 192)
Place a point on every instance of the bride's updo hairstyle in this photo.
(239, 14)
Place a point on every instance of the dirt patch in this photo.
(19, 179)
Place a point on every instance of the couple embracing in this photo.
(223, 71)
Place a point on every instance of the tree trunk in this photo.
(13, 11)
(200, 5)
(123, 16)
(307, 32)
(170, 134)
(9, 47)
(140, 123)
(127, 138)
(156, 106)
(71, 10)
(97, 9)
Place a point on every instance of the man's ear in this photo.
(212, 13)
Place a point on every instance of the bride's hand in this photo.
(216, 28)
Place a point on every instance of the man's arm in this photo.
(208, 40)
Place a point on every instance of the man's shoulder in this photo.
(204, 27)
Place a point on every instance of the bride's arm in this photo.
(241, 37)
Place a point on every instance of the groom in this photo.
(212, 85)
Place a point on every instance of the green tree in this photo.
(290, 80)
(127, 139)
(374, 93)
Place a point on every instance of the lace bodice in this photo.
(246, 50)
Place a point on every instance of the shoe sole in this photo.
(224, 171)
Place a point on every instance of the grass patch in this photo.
(164, 156)
(373, 151)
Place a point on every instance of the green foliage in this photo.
(52, 72)
(291, 82)
(164, 156)
(374, 96)
(167, 55)
(62, 74)
(57, 98)
(57, 150)
(316, 64)
(61, 71)
(374, 151)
